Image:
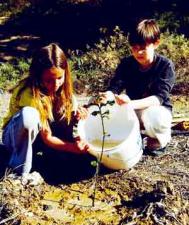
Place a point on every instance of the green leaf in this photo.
(111, 102)
(95, 113)
(94, 163)
(107, 112)
(103, 104)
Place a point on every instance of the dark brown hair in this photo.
(146, 31)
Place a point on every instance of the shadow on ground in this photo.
(58, 168)
(4, 157)
(63, 168)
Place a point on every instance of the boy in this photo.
(147, 78)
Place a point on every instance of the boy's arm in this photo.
(137, 104)
(145, 102)
(163, 85)
(160, 89)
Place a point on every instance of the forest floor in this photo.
(155, 191)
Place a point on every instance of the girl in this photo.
(43, 103)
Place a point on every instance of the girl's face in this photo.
(52, 79)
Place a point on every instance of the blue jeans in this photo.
(21, 138)
(18, 137)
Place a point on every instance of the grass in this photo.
(11, 72)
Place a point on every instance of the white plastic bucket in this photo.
(123, 145)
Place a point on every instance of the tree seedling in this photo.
(97, 163)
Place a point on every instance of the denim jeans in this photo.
(21, 138)
(18, 137)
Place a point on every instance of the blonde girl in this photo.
(44, 104)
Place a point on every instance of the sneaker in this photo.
(154, 152)
(152, 147)
(32, 179)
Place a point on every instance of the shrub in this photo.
(93, 69)
(13, 71)
(12, 7)
(168, 21)
(176, 47)
(98, 63)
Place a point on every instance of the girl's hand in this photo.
(81, 113)
(80, 146)
(122, 99)
(45, 134)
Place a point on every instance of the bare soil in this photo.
(155, 191)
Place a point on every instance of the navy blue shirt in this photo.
(158, 80)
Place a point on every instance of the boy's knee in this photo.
(157, 117)
(30, 117)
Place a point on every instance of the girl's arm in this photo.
(78, 146)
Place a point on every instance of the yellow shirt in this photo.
(17, 102)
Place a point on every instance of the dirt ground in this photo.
(155, 191)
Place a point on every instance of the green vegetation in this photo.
(97, 64)
(176, 47)
(13, 71)
(8, 7)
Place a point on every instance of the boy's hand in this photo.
(122, 99)
(104, 97)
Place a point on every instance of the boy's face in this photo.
(144, 54)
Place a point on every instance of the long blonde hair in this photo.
(47, 57)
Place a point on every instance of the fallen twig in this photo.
(8, 219)
(180, 132)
